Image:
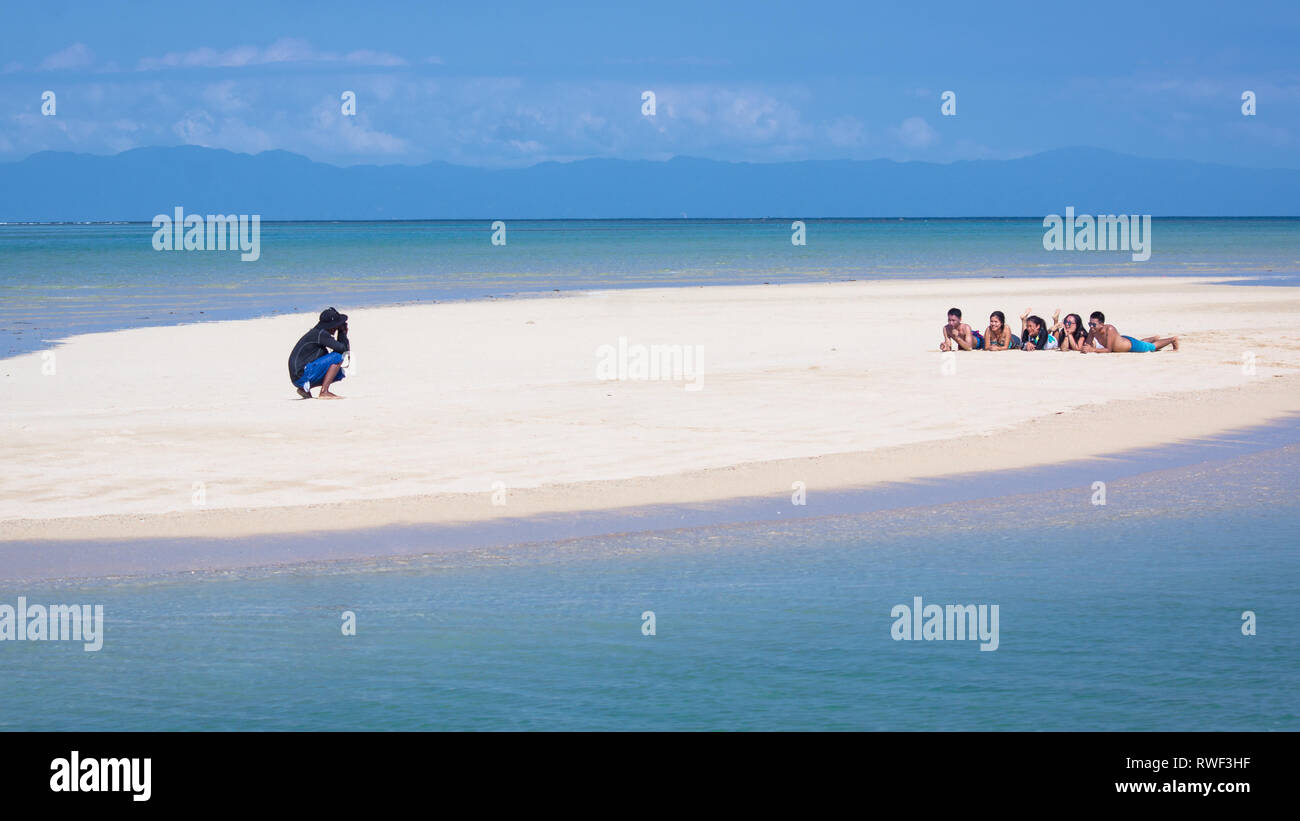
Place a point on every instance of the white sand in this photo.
(447, 399)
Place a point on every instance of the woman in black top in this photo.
(1033, 333)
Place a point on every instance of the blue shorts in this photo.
(314, 373)
(1140, 346)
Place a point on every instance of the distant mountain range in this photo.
(137, 184)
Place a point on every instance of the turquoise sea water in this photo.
(1119, 617)
(56, 280)
(1125, 616)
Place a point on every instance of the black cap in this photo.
(331, 319)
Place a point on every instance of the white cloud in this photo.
(284, 50)
(527, 147)
(366, 57)
(222, 97)
(340, 135)
(194, 128)
(202, 58)
(490, 121)
(288, 50)
(747, 115)
(76, 55)
(231, 133)
(915, 132)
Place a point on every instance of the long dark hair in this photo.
(1040, 337)
(1079, 332)
(1005, 332)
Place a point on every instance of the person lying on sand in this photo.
(1034, 335)
(998, 337)
(959, 335)
(1070, 334)
(317, 359)
(1107, 339)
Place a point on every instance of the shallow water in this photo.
(1123, 616)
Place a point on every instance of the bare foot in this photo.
(328, 395)
(305, 394)
(1174, 344)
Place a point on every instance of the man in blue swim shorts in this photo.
(317, 359)
(1103, 338)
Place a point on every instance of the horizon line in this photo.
(1075, 148)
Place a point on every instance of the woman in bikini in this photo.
(998, 336)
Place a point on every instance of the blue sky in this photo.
(505, 84)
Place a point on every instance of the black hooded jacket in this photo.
(314, 344)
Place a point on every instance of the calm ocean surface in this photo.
(1119, 617)
(1125, 616)
(57, 280)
